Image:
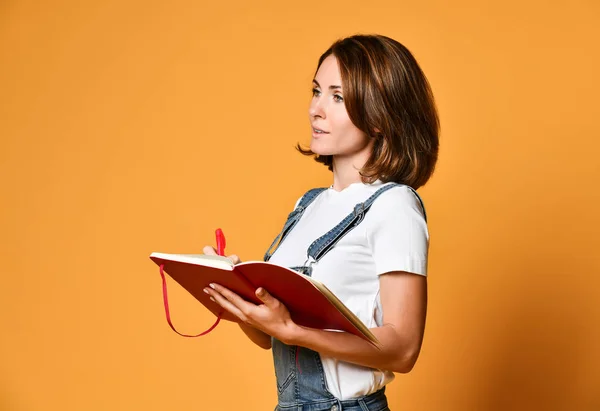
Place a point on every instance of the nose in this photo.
(316, 108)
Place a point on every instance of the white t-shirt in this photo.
(392, 237)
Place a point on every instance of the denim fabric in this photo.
(292, 219)
(372, 402)
(301, 384)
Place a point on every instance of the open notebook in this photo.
(310, 303)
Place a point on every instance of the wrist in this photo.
(291, 335)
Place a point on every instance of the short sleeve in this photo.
(397, 232)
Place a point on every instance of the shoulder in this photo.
(399, 199)
(397, 233)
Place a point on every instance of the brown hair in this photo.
(386, 90)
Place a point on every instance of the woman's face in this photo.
(332, 131)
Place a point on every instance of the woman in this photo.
(375, 126)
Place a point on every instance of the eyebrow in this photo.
(330, 87)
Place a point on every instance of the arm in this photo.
(404, 302)
(256, 336)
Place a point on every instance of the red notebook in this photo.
(309, 302)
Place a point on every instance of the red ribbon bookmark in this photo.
(221, 251)
(166, 301)
(220, 241)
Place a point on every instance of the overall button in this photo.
(334, 408)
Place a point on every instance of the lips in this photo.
(319, 131)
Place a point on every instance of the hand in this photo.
(271, 317)
(208, 250)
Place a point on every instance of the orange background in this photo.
(129, 127)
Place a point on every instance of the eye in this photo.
(315, 91)
(338, 98)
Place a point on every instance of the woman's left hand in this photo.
(271, 317)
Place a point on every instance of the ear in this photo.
(377, 133)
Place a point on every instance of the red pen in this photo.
(220, 241)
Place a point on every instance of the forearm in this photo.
(395, 353)
(256, 336)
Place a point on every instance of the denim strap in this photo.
(292, 219)
(323, 244)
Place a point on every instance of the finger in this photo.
(241, 304)
(208, 250)
(226, 304)
(234, 259)
(266, 298)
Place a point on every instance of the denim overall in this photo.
(299, 372)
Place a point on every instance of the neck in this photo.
(346, 169)
(343, 176)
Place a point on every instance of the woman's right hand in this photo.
(209, 250)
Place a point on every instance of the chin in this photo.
(319, 149)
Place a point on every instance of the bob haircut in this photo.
(388, 98)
